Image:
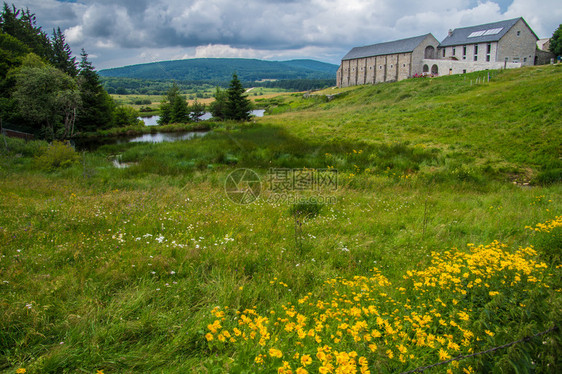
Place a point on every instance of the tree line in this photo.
(43, 89)
(230, 104)
(136, 86)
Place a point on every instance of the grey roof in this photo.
(460, 35)
(386, 48)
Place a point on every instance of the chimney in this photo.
(450, 32)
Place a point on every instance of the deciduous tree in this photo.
(218, 107)
(556, 42)
(46, 97)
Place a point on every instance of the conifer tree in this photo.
(97, 106)
(238, 106)
(62, 55)
(22, 25)
(196, 110)
(173, 108)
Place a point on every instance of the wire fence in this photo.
(462, 357)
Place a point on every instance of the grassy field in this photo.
(427, 249)
(153, 101)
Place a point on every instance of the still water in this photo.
(153, 121)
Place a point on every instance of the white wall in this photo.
(458, 67)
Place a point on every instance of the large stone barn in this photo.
(386, 62)
(499, 45)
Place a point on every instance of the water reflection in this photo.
(160, 137)
(153, 120)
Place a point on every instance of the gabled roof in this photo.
(386, 48)
(490, 32)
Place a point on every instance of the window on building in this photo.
(489, 48)
(443, 52)
(464, 71)
(475, 58)
(403, 65)
(391, 66)
(380, 67)
(464, 52)
(488, 58)
(454, 50)
(476, 49)
(518, 33)
(524, 59)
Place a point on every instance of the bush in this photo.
(57, 155)
(125, 116)
(26, 148)
(309, 209)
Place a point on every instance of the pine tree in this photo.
(173, 108)
(196, 110)
(22, 25)
(62, 55)
(238, 106)
(97, 106)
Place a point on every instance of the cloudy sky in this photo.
(124, 32)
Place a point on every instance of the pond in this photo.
(157, 137)
(161, 137)
(153, 120)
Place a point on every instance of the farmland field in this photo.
(442, 237)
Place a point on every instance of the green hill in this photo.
(510, 125)
(221, 69)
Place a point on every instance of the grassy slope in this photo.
(88, 252)
(513, 120)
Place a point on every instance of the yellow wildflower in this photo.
(306, 360)
(444, 355)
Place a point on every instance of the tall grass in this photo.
(118, 270)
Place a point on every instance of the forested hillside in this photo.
(220, 70)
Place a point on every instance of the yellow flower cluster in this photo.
(367, 324)
(547, 226)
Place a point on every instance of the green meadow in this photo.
(427, 248)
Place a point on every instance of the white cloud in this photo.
(74, 34)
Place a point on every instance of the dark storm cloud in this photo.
(322, 29)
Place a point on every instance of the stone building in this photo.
(543, 55)
(504, 44)
(499, 45)
(386, 62)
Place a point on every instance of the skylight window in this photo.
(493, 31)
(477, 33)
(485, 32)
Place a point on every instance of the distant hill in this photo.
(221, 69)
